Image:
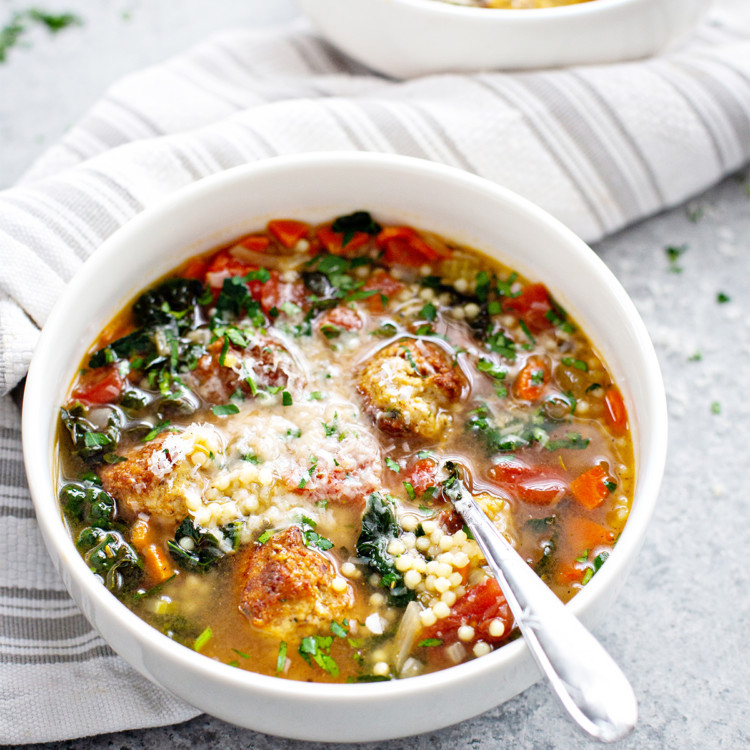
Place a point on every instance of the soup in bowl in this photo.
(251, 416)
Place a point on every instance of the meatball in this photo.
(263, 363)
(288, 588)
(158, 477)
(408, 386)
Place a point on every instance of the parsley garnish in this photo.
(430, 643)
(674, 252)
(281, 658)
(223, 410)
(392, 465)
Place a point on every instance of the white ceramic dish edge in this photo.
(409, 38)
(398, 188)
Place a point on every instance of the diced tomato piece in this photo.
(590, 488)
(533, 485)
(274, 293)
(100, 386)
(383, 283)
(288, 231)
(478, 607)
(532, 306)
(614, 410)
(341, 317)
(333, 242)
(255, 242)
(583, 533)
(196, 269)
(532, 379)
(404, 246)
(223, 266)
(422, 475)
(568, 573)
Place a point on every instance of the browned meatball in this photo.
(409, 386)
(159, 476)
(264, 363)
(287, 588)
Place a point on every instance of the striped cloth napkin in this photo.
(599, 147)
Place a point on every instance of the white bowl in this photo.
(465, 208)
(407, 38)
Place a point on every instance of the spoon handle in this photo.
(588, 682)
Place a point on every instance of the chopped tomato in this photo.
(195, 269)
(614, 410)
(590, 488)
(255, 242)
(477, 608)
(567, 573)
(333, 242)
(532, 306)
(532, 379)
(288, 231)
(422, 475)
(274, 293)
(223, 266)
(531, 484)
(383, 283)
(583, 533)
(404, 246)
(100, 386)
(342, 318)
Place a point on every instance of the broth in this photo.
(252, 454)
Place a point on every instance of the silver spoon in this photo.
(589, 684)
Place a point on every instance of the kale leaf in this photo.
(174, 299)
(207, 549)
(379, 527)
(90, 443)
(359, 221)
(109, 556)
(87, 503)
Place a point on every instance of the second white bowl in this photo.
(407, 38)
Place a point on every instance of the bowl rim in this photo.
(40, 471)
(514, 14)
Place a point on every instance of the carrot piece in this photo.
(583, 533)
(255, 242)
(157, 564)
(140, 532)
(532, 379)
(614, 410)
(590, 488)
(288, 231)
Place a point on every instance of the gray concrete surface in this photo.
(679, 629)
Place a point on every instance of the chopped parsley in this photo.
(224, 410)
(579, 364)
(715, 407)
(202, 639)
(281, 658)
(723, 298)
(674, 253)
(430, 643)
(392, 465)
(317, 648)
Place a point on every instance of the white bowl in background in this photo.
(465, 208)
(407, 38)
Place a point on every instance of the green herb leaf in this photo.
(286, 398)
(224, 410)
(202, 639)
(430, 643)
(392, 465)
(281, 658)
